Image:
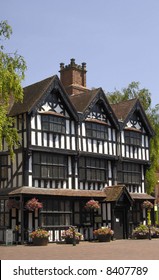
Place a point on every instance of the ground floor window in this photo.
(56, 212)
(4, 214)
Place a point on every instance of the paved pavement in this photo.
(114, 250)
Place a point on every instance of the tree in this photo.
(12, 69)
(133, 91)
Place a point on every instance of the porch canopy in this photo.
(118, 194)
(52, 192)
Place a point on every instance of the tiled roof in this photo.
(113, 193)
(32, 94)
(82, 100)
(122, 109)
(142, 196)
(54, 192)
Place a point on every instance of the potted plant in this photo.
(92, 205)
(33, 204)
(39, 237)
(154, 232)
(103, 234)
(141, 232)
(70, 234)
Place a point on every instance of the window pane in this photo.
(67, 219)
(36, 170)
(44, 172)
(67, 206)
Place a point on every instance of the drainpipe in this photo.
(22, 220)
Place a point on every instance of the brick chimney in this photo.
(73, 77)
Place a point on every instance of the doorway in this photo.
(119, 223)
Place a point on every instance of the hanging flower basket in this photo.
(33, 204)
(147, 205)
(92, 205)
(13, 203)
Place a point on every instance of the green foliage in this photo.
(12, 69)
(133, 91)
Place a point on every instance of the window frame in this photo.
(53, 167)
(96, 130)
(133, 137)
(3, 167)
(128, 174)
(56, 214)
(53, 123)
(91, 169)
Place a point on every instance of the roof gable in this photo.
(85, 103)
(126, 110)
(36, 94)
(117, 194)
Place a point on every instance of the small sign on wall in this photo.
(9, 237)
(98, 219)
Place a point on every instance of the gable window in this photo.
(129, 173)
(96, 130)
(52, 123)
(92, 169)
(3, 167)
(49, 166)
(133, 138)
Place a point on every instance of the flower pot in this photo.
(142, 236)
(104, 237)
(40, 241)
(70, 240)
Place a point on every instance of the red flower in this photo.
(33, 204)
(92, 204)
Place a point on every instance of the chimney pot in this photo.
(62, 65)
(72, 61)
(84, 66)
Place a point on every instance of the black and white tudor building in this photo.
(74, 147)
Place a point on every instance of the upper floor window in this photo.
(96, 130)
(129, 173)
(46, 166)
(133, 138)
(3, 167)
(52, 123)
(92, 169)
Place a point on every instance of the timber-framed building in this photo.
(75, 146)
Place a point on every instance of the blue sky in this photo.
(118, 39)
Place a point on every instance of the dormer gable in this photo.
(93, 105)
(44, 96)
(131, 114)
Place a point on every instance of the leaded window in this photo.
(129, 173)
(96, 130)
(52, 123)
(92, 169)
(4, 213)
(56, 212)
(3, 167)
(133, 138)
(46, 166)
